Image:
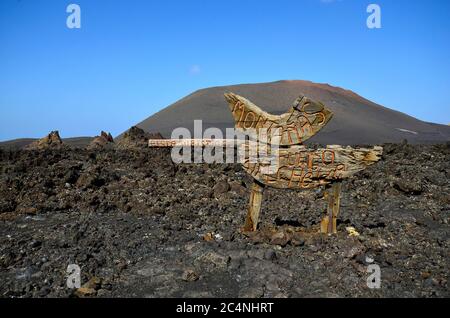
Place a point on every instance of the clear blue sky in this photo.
(132, 58)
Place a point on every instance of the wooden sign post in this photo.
(297, 167)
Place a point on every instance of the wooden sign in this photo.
(303, 120)
(295, 166)
(301, 168)
(298, 167)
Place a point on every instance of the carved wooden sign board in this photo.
(298, 167)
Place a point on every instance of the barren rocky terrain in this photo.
(140, 226)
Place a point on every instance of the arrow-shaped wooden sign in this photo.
(291, 165)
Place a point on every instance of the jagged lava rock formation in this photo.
(105, 140)
(51, 141)
(136, 138)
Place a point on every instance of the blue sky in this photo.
(132, 58)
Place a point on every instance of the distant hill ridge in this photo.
(356, 119)
(21, 143)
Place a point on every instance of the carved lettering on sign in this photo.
(302, 168)
(304, 119)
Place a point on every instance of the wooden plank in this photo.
(303, 120)
(191, 142)
(302, 168)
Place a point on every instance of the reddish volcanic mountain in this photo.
(356, 120)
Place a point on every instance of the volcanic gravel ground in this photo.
(139, 225)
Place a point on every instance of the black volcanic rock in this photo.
(135, 137)
(135, 222)
(105, 140)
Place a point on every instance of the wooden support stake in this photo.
(330, 209)
(328, 224)
(254, 207)
(336, 204)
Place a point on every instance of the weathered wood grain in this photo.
(304, 119)
(328, 223)
(254, 207)
(302, 168)
(191, 143)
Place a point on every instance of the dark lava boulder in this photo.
(105, 140)
(136, 138)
